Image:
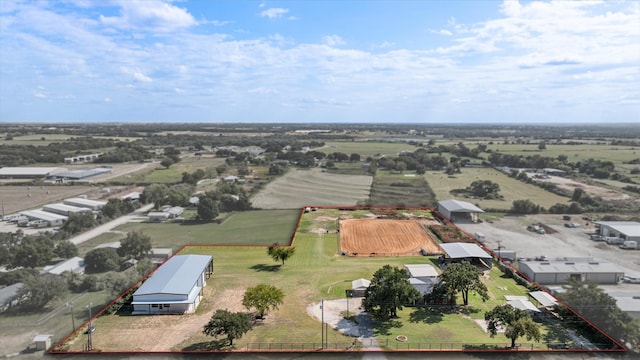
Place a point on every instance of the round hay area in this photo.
(381, 237)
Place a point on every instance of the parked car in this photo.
(631, 279)
(597, 237)
(566, 217)
(572, 225)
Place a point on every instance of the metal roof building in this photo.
(467, 252)
(51, 218)
(175, 287)
(74, 265)
(79, 174)
(85, 203)
(561, 271)
(627, 230)
(421, 270)
(457, 210)
(545, 299)
(28, 172)
(62, 209)
(359, 286)
(9, 296)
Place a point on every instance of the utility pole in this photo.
(322, 320)
(89, 329)
(73, 319)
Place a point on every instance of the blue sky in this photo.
(479, 61)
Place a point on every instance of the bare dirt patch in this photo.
(18, 198)
(571, 185)
(374, 237)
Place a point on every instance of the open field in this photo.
(365, 237)
(298, 188)
(258, 227)
(400, 189)
(18, 198)
(307, 277)
(606, 152)
(155, 173)
(366, 148)
(511, 189)
(36, 139)
(571, 185)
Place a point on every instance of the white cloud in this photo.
(107, 100)
(274, 13)
(333, 40)
(40, 94)
(178, 90)
(152, 15)
(263, 90)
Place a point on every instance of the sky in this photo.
(316, 61)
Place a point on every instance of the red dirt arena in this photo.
(376, 237)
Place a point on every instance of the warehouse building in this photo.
(29, 172)
(175, 288)
(562, 271)
(51, 218)
(62, 209)
(94, 205)
(79, 174)
(456, 210)
(626, 230)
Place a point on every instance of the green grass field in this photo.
(258, 227)
(366, 148)
(398, 189)
(510, 188)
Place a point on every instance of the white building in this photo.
(85, 203)
(74, 265)
(561, 271)
(626, 230)
(175, 287)
(62, 209)
(423, 277)
(456, 210)
(51, 218)
(158, 216)
(359, 286)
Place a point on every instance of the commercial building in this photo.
(94, 205)
(456, 210)
(626, 230)
(562, 271)
(62, 209)
(175, 287)
(29, 172)
(51, 218)
(79, 174)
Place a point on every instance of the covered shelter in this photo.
(474, 254)
(522, 303)
(359, 286)
(62, 209)
(175, 287)
(626, 230)
(544, 299)
(456, 210)
(158, 216)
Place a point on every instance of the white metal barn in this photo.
(62, 209)
(455, 210)
(51, 218)
(627, 230)
(560, 272)
(175, 287)
(85, 203)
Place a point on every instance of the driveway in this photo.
(88, 235)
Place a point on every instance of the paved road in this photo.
(110, 225)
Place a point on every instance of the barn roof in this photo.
(523, 304)
(629, 228)
(544, 298)
(360, 284)
(459, 206)
(421, 270)
(176, 276)
(464, 250)
(29, 171)
(9, 293)
(43, 215)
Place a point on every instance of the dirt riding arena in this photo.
(376, 237)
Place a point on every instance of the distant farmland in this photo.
(298, 188)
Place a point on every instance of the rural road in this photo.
(79, 239)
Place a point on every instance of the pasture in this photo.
(18, 198)
(400, 189)
(511, 189)
(313, 187)
(310, 275)
(367, 148)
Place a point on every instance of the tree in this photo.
(263, 298)
(207, 209)
(66, 249)
(40, 290)
(525, 206)
(77, 223)
(388, 291)
(516, 322)
(280, 253)
(577, 194)
(156, 194)
(354, 157)
(224, 322)
(542, 145)
(595, 305)
(167, 162)
(463, 277)
(32, 252)
(101, 260)
(135, 245)
(485, 189)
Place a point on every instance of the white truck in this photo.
(629, 244)
(480, 237)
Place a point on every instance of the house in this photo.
(9, 296)
(174, 211)
(158, 216)
(74, 265)
(175, 287)
(457, 252)
(561, 271)
(423, 277)
(359, 286)
(456, 210)
(626, 230)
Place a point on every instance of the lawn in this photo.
(257, 227)
(511, 189)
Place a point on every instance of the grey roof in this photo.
(523, 304)
(464, 250)
(629, 228)
(29, 171)
(176, 276)
(84, 202)
(75, 264)
(421, 270)
(82, 173)
(43, 215)
(541, 267)
(628, 303)
(64, 207)
(360, 284)
(544, 298)
(459, 206)
(9, 292)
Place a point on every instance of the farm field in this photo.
(307, 277)
(366, 148)
(36, 139)
(298, 188)
(16, 198)
(605, 152)
(400, 189)
(258, 227)
(385, 237)
(511, 189)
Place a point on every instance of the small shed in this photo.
(358, 287)
(456, 210)
(157, 216)
(42, 342)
